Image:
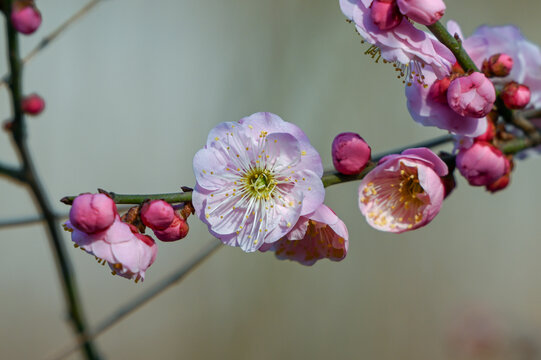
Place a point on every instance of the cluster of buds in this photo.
(97, 228)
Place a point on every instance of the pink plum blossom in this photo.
(404, 192)
(315, 236)
(425, 12)
(471, 95)
(177, 229)
(128, 253)
(402, 43)
(254, 179)
(516, 96)
(33, 104)
(482, 163)
(499, 65)
(350, 153)
(487, 41)
(92, 213)
(428, 106)
(157, 214)
(25, 17)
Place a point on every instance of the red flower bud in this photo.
(516, 96)
(350, 153)
(499, 65)
(33, 104)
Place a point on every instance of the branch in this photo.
(138, 199)
(135, 304)
(11, 172)
(47, 40)
(28, 220)
(453, 44)
(30, 177)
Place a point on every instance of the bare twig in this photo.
(11, 172)
(47, 40)
(135, 304)
(28, 220)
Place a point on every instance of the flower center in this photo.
(259, 183)
(409, 187)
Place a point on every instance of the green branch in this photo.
(453, 44)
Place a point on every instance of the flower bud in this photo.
(489, 134)
(438, 90)
(472, 95)
(33, 104)
(176, 231)
(350, 153)
(516, 96)
(425, 12)
(482, 164)
(157, 214)
(498, 65)
(25, 17)
(385, 14)
(92, 213)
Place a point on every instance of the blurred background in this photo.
(132, 91)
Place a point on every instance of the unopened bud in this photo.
(482, 164)
(25, 17)
(472, 95)
(33, 104)
(350, 153)
(425, 12)
(157, 214)
(498, 65)
(176, 231)
(385, 14)
(515, 95)
(92, 213)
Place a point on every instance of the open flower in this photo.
(404, 192)
(316, 236)
(254, 179)
(403, 43)
(128, 253)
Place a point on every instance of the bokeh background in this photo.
(132, 91)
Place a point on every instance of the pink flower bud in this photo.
(92, 213)
(25, 17)
(498, 65)
(33, 104)
(516, 96)
(438, 90)
(157, 214)
(176, 231)
(385, 14)
(350, 153)
(425, 12)
(489, 134)
(482, 164)
(472, 95)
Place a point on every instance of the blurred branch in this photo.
(47, 40)
(29, 176)
(28, 220)
(135, 304)
(12, 172)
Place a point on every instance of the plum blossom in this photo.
(471, 95)
(404, 192)
(92, 213)
(254, 179)
(128, 253)
(315, 236)
(482, 163)
(403, 44)
(427, 104)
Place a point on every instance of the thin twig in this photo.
(28, 220)
(47, 40)
(135, 304)
(138, 199)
